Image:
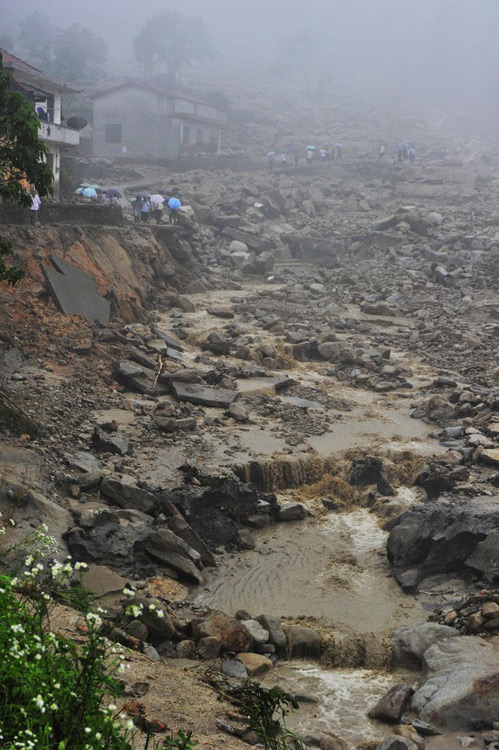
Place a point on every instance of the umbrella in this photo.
(85, 184)
(157, 198)
(79, 191)
(89, 192)
(311, 148)
(271, 153)
(113, 193)
(174, 204)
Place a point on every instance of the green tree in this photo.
(76, 52)
(172, 39)
(22, 153)
(36, 37)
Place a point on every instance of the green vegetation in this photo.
(21, 151)
(10, 274)
(56, 694)
(70, 54)
(171, 39)
(265, 709)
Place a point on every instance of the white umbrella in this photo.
(157, 198)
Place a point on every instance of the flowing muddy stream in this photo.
(332, 568)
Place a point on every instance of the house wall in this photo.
(146, 128)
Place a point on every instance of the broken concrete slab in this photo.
(170, 340)
(204, 395)
(75, 292)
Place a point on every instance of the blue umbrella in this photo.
(89, 193)
(174, 204)
(79, 191)
(311, 148)
(113, 192)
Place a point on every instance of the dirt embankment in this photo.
(129, 264)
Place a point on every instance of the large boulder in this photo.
(459, 689)
(128, 495)
(232, 634)
(433, 538)
(170, 549)
(114, 538)
(391, 706)
(256, 665)
(411, 641)
(303, 643)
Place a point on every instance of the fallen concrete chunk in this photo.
(204, 395)
(75, 292)
(128, 495)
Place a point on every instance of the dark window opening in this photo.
(199, 136)
(113, 133)
(187, 136)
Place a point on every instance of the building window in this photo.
(187, 136)
(199, 137)
(113, 133)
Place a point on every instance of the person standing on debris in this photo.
(35, 207)
(296, 157)
(323, 154)
(400, 152)
(284, 160)
(310, 155)
(137, 207)
(157, 207)
(174, 204)
(381, 151)
(411, 152)
(145, 210)
(338, 152)
(271, 159)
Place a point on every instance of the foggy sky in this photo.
(427, 49)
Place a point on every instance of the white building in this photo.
(46, 97)
(138, 119)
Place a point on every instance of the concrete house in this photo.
(46, 98)
(138, 119)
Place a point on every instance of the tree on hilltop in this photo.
(172, 39)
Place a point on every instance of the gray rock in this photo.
(238, 411)
(234, 668)
(83, 461)
(411, 641)
(433, 539)
(459, 686)
(168, 548)
(391, 706)
(259, 634)
(277, 635)
(185, 649)
(181, 528)
(128, 495)
(110, 443)
(394, 742)
(208, 648)
(485, 558)
(291, 511)
(303, 643)
(204, 395)
(264, 262)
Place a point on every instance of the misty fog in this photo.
(429, 53)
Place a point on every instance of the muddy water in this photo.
(331, 569)
(342, 699)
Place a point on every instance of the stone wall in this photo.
(64, 213)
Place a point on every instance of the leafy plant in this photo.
(22, 153)
(266, 710)
(10, 274)
(55, 693)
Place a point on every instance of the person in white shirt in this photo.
(35, 206)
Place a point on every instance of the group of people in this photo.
(145, 206)
(405, 152)
(326, 153)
